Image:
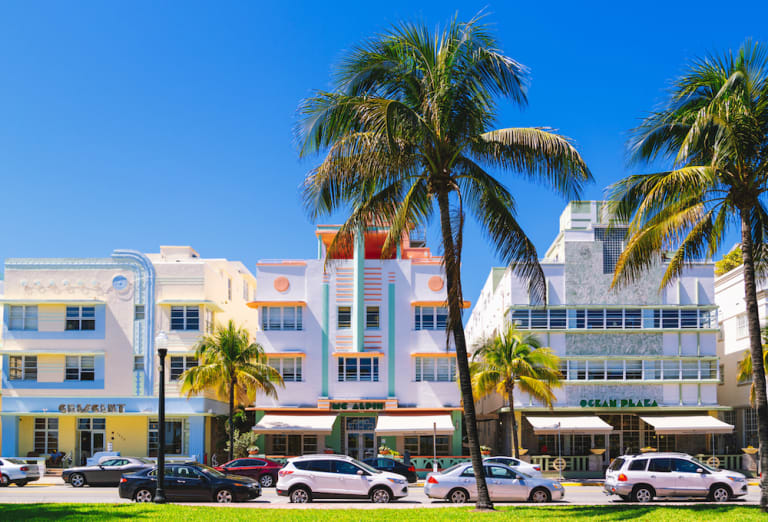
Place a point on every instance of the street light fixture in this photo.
(161, 341)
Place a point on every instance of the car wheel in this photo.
(642, 494)
(267, 481)
(143, 495)
(300, 495)
(4, 481)
(719, 494)
(625, 498)
(458, 496)
(21, 483)
(540, 495)
(224, 496)
(381, 495)
(77, 480)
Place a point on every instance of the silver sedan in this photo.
(457, 484)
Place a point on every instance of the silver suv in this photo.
(642, 477)
(309, 477)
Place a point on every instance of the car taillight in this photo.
(123, 479)
(24, 468)
(412, 468)
(622, 477)
(537, 468)
(284, 472)
(431, 480)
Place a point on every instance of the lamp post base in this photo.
(160, 496)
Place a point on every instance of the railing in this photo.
(731, 462)
(572, 463)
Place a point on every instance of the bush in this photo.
(244, 441)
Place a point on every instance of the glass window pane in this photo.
(689, 318)
(634, 370)
(342, 377)
(595, 319)
(417, 318)
(299, 323)
(578, 370)
(520, 318)
(632, 318)
(16, 318)
(441, 314)
(289, 318)
(557, 319)
(443, 369)
(651, 319)
(615, 370)
(690, 370)
(428, 317)
(417, 363)
(344, 317)
(614, 319)
(538, 319)
(275, 318)
(576, 319)
(671, 370)
(30, 317)
(652, 370)
(428, 368)
(365, 369)
(670, 319)
(351, 368)
(596, 370)
(372, 317)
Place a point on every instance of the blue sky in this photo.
(136, 124)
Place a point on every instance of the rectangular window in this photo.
(180, 364)
(309, 444)
(742, 330)
(614, 319)
(615, 370)
(632, 318)
(281, 318)
(652, 370)
(245, 291)
(564, 369)
(138, 362)
(290, 368)
(557, 319)
(372, 317)
(344, 317)
(577, 370)
(670, 318)
(22, 368)
(651, 319)
(707, 318)
(353, 369)
(691, 370)
(441, 317)
(80, 368)
(576, 319)
(430, 317)
(81, 318)
(435, 369)
(138, 312)
(174, 437)
(539, 320)
(411, 445)
(22, 318)
(634, 370)
(595, 319)
(521, 318)
(671, 370)
(596, 370)
(689, 318)
(46, 435)
(208, 321)
(229, 289)
(185, 318)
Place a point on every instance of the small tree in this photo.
(729, 261)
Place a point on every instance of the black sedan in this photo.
(189, 482)
(107, 473)
(393, 466)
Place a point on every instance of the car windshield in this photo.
(616, 464)
(452, 468)
(366, 467)
(15, 461)
(210, 471)
(700, 463)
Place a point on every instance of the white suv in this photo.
(337, 476)
(640, 478)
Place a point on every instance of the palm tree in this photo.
(714, 134)
(744, 367)
(406, 126)
(233, 367)
(515, 358)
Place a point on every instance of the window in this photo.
(81, 318)
(742, 330)
(638, 465)
(595, 319)
(671, 370)
(651, 319)
(557, 319)
(138, 312)
(208, 321)
(138, 362)
(344, 317)
(576, 319)
(539, 320)
(577, 370)
(22, 318)
(91, 424)
(229, 289)
(245, 291)
(614, 319)
(690, 370)
(174, 440)
(323, 466)
(613, 244)
(634, 370)
(435, 369)
(520, 318)
(430, 317)
(358, 369)
(180, 364)
(652, 370)
(615, 370)
(372, 317)
(46, 435)
(22, 368)
(685, 466)
(289, 367)
(596, 370)
(499, 472)
(185, 318)
(689, 318)
(722, 374)
(281, 318)
(632, 318)
(750, 427)
(80, 368)
(670, 318)
(415, 445)
(345, 468)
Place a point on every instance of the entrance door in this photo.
(361, 441)
(91, 434)
(614, 447)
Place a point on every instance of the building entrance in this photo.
(360, 438)
(91, 434)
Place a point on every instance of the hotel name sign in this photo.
(92, 408)
(618, 403)
(359, 405)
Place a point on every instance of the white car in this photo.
(18, 472)
(532, 470)
(642, 477)
(310, 477)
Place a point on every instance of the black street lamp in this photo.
(162, 351)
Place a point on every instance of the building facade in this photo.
(361, 344)
(79, 364)
(640, 365)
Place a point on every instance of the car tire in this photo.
(77, 480)
(540, 496)
(143, 495)
(381, 495)
(224, 496)
(458, 496)
(625, 498)
(643, 494)
(21, 483)
(4, 481)
(719, 493)
(267, 481)
(300, 495)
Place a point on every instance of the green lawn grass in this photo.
(174, 513)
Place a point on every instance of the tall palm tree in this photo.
(744, 367)
(515, 358)
(406, 126)
(713, 132)
(233, 368)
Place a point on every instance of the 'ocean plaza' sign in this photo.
(618, 403)
(361, 405)
(92, 408)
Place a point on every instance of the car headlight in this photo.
(736, 479)
(396, 481)
(557, 486)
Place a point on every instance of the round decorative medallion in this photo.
(282, 284)
(435, 283)
(119, 282)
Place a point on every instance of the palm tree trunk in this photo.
(453, 280)
(231, 417)
(515, 442)
(756, 351)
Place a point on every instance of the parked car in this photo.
(189, 482)
(641, 478)
(107, 473)
(457, 484)
(534, 470)
(18, 472)
(306, 478)
(263, 470)
(393, 466)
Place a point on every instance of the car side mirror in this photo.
(360, 472)
(699, 470)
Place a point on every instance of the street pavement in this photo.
(574, 495)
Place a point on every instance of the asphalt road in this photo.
(575, 495)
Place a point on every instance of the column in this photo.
(324, 337)
(358, 304)
(391, 338)
(196, 448)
